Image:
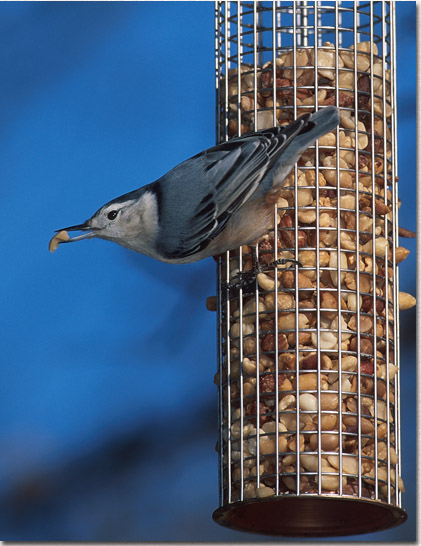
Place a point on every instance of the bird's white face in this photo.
(122, 221)
(116, 221)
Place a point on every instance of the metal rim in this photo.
(309, 516)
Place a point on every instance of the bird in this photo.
(210, 203)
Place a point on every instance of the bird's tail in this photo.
(301, 134)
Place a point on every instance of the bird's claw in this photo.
(246, 280)
(283, 261)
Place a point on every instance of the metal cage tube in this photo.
(309, 350)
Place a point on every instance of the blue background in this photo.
(108, 405)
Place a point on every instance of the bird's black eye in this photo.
(112, 215)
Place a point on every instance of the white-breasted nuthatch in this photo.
(212, 202)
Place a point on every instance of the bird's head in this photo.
(121, 220)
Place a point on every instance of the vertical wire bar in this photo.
(276, 352)
(255, 63)
(395, 268)
(221, 385)
(239, 54)
(257, 377)
(297, 20)
(227, 55)
(275, 246)
(297, 333)
(396, 237)
(279, 25)
(218, 48)
(219, 334)
(316, 153)
(218, 52)
(228, 390)
(228, 304)
(386, 294)
(304, 11)
(275, 106)
(356, 5)
(396, 340)
(318, 17)
(338, 219)
(357, 258)
(338, 24)
(373, 246)
(294, 65)
(260, 32)
(241, 376)
(257, 327)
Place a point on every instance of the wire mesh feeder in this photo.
(309, 394)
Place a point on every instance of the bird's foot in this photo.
(246, 280)
(284, 261)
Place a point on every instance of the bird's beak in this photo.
(89, 232)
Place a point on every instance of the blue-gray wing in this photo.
(197, 198)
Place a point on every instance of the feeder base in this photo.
(309, 516)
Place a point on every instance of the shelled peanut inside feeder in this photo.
(309, 356)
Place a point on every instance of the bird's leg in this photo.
(245, 280)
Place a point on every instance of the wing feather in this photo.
(203, 192)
